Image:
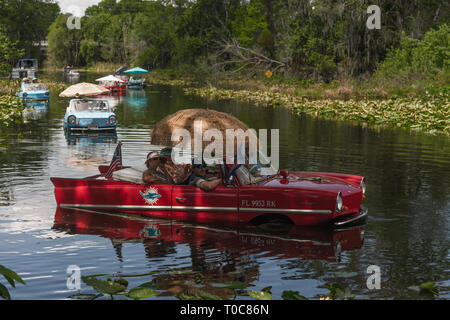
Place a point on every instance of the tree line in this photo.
(23, 24)
(320, 39)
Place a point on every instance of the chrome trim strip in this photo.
(194, 208)
(228, 209)
(292, 211)
(362, 215)
(101, 206)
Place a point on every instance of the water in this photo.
(406, 235)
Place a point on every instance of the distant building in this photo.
(25, 68)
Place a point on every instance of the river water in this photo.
(406, 234)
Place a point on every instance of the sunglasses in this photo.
(154, 159)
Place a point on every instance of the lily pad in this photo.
(186, 296)
(229, 285)
(142, 293)
(207, 296)
(343, 274)
(104, 286)
(82, 296)
(260, 295)
(292, 295)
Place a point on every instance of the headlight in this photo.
(112, 120)
(71, 119)
(362, 185)
(339, 203)
(25, 94)
(47, 93)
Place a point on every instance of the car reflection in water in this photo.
(87, 151)
(220, 255)
(35, 110)
(91, 138)
(136, 99)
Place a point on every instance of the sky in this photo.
(79, 5)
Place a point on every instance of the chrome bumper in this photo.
(362, 214)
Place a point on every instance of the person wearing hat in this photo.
(153, 173)
(176, 173)
(198, 178)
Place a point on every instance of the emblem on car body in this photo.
(151, 195)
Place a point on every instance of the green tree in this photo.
(9, 53)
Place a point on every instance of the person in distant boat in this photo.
(176, 173)
(153, 174)
(198, 178)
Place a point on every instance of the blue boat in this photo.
(33, 91)
(94, 115)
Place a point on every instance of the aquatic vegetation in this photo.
(430, 113)
(337, 292)
(54, 85)
(113, 287)
(9, 87)
(429, 287)
(12, 278)
(10, 110)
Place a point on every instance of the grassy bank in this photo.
(422, 105)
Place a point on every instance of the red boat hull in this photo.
(296, 199)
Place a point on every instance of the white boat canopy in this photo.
(110, 78)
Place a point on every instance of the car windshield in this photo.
(34, 87)
(254, 173)
(89, 105)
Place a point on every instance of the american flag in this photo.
(116, 161)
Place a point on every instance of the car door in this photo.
(190, 203)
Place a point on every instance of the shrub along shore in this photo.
(429, 113)
(419, 107)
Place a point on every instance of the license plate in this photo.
(92, 126)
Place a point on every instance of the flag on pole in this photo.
(116, 161)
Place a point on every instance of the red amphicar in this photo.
(113, 84)
(300, 198)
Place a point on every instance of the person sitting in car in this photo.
(153, 174)
(198, 178)
(176, 173)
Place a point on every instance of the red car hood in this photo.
(313, 181)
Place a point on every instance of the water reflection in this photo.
(85, 139)
(86, 151)
(136, 99)
(35, 110)
(113, 99)
(282, 241)
(217, 255)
